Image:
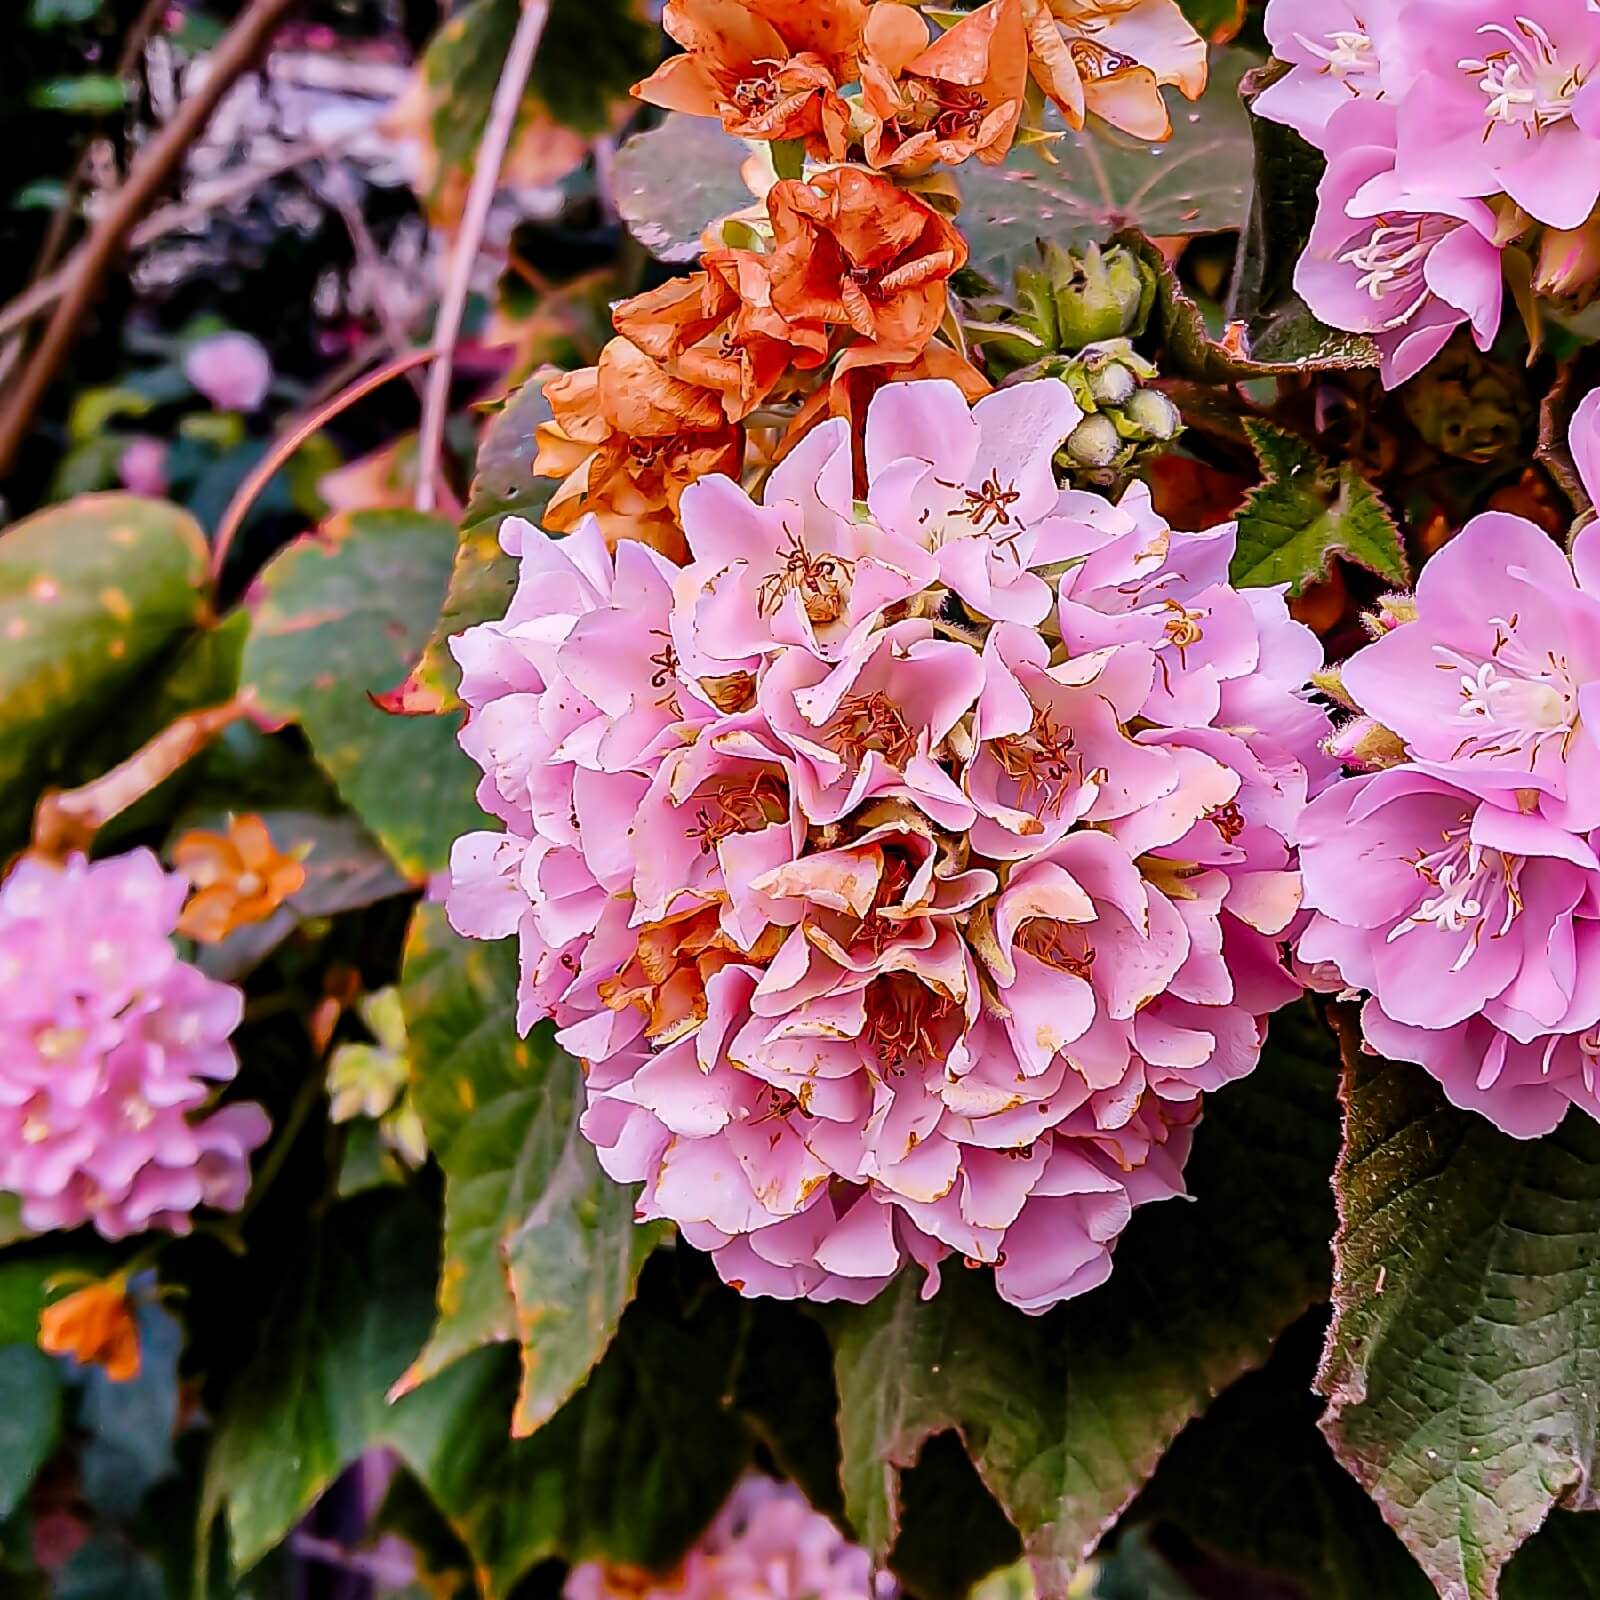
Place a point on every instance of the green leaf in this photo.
(1215, 20)
(52, 13)
(313, 1398)
(1287, 1508)
(1084, 186)
(341, 615)
(1067, 1414)
(630, 1470)
(92, 593)
(672, 181)
(93, 92)
(30, 1419)
(131, 1425)
(1305, 513)
(1462, 1368)
(503, 484)
(1285, 342)
(539, 1245)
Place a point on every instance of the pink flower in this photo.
(1450, 909)
(1504, 97)
(1584, 439)
(1335, 50)
(766, 1544)
(231, 370)
(143, 466)
(108, 1044)
(1407, 267)
(902, 876)
(1497, 676)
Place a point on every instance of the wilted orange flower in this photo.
(1111, 56)
(717, 329)
(628, 438)
(770, 69)
(958, 97)
(853, 250)
(96, 1325)
(239, 877)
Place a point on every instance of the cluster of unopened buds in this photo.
(1456, 879)
(837, 280)
(902, 868)
(1452, 130)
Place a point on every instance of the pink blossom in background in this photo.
(1409, 270)
(1335, 52)
(903, 875)
(766, 1544)
(1459, 885)
(109, 1047)
(231, 370)
(143, 466)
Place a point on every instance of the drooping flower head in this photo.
(109, 1047)
(1458, 884)
(766, 1544)
(903, 868)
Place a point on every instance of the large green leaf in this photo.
(1252, 1481)
(92, 594)
(1083, 187)
(1067, 1414)
(539, 1245)
(30, 1419)
(314, 1397)
(341, 615)
(630, 1469)
(1305, 513)
(1462, 1369)
(675, 178)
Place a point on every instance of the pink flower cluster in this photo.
(107, 1043)
(903, 870)
(1460, 886)
(1448, 125)
(766, 1544)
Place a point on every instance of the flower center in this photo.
(54, 1043)
(903, 1016)
(1040, 762)
(822, 582)
(872, 721)
(1474, 887)
(1515, 700)
(1227, 819)
(1391, 260)
(1345, 54)
(1062, 945)
(737, 808)
(1524, 80)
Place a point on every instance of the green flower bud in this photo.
(1152, 414)
(1098, 293)
(1111, 384)
(1094, 443)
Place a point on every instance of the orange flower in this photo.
(239, 877)
(853, 250)
(770, 69)
(628, 438)
(960, 96)
(96, 1325)
(1111, 56)
(717, 328)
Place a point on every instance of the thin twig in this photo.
(287, 443)
(474, 218)
(150, 173)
